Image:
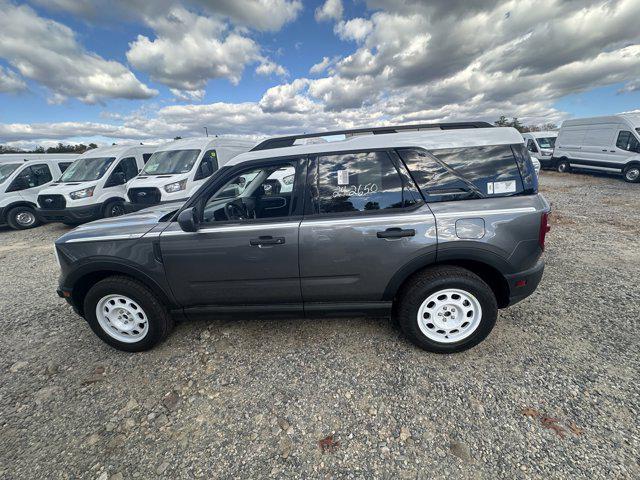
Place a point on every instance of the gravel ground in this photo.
(552, 393)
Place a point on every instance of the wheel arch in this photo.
(19, 203)
(489, 271)
(81, 281)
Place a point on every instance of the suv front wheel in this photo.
(126, 314)
(447, 309)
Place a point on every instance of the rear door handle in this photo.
(397, 233)
(604, 149)
(266, 240)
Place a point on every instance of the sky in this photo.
(104, 71)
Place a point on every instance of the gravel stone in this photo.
(569, 352)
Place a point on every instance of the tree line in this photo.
(60, 148)
(517, 124)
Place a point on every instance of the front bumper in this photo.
(82, 214)
(523, 284)
(134, 207)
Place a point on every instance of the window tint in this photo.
(63, 166)
(146, 157)
(255, 193)
(208, 165)
(463, 173)
(358, 182)
(627, 141)
(531, 146)
(31, 177)
(129, 167)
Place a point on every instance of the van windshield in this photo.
(546, 142)
(170, 161)
(87, 169)
(6, 169)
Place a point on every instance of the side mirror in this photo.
(187, 220)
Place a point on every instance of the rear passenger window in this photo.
(360, 182)
(464, 173)
(628, 141)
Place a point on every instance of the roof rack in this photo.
(288, 141)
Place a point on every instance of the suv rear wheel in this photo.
(447, 309)
(21, 218)
(126, 314)
(631, 173)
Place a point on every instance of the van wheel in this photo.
(114, 208)
(447, 309)
(126, 314)
(564, 166)
(631, 173)
(22, 218)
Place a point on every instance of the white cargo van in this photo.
(177, 169)
(610, 144)
(540, 146)
(22, 177)
(93, 186)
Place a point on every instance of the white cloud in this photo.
(355, 29)
(10, 81)
(48, 52)
(265, 15)
(320, 66)
(267, 68)
(330, 10)
(188, 95)
(190, 49)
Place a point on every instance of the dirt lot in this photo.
(552, 393)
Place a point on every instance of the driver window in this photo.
(256, 193)
(531, 146)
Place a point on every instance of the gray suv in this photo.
(438, 225)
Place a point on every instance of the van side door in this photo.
(364, 222)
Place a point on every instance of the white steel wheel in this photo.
(449, 315)
(122, 318)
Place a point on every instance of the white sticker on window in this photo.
(343, 177)
(504, 187)
(489, 188)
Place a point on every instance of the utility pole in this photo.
(206, 132)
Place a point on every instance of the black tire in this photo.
(158, 317)
(16, 218)
(563, 166)
(631, 173)
(114, 208)
(430, 281)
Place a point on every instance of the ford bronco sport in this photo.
(439, 225)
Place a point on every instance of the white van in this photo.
(610, 144)
(540, 146)
(93, 186)
(177, 169)
(22, 177)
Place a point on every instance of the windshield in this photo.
(546, 142)
(87, 169)
(6, 169)
(170, 161)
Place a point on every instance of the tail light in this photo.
(544, 228)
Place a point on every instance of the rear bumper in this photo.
(83, 214)
(523, 284)
(134, 207)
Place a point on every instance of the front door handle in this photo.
(397, 233)
(266, 240)
(604, 149)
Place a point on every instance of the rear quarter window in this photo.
(469, 172)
